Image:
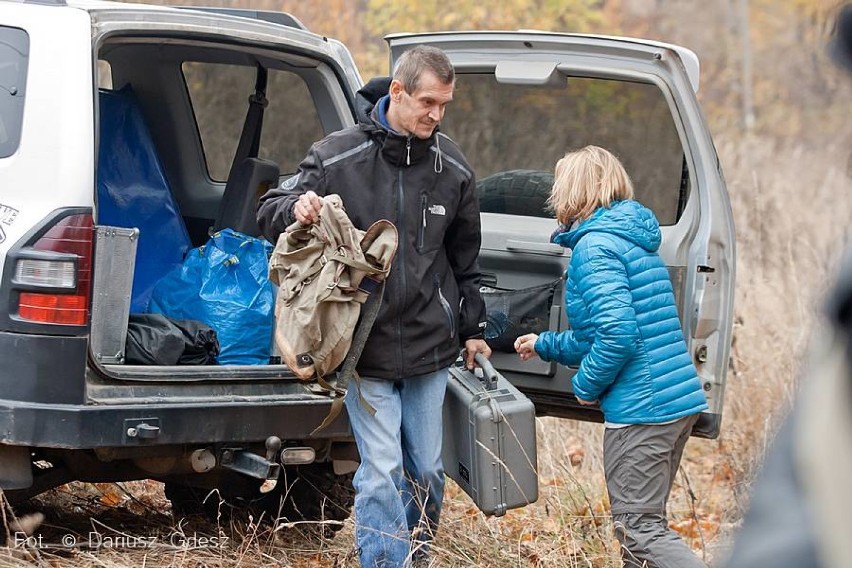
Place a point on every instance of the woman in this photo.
(626, 338)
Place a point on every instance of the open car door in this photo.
(525, 98)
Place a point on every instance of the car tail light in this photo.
(56, 283)
(47, 273)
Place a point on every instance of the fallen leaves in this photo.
(576, 454)
(701, 528)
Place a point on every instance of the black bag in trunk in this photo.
(154, 339)
(511, 313)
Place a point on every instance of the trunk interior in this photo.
(170, 176)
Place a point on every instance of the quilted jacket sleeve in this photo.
(604, 288)
(561, 346)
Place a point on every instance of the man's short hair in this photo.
(411, 65)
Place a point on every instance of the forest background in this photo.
(779, 113)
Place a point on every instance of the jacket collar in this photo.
(398, 149)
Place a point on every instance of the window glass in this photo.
(220, 95)
(514, 134)
(14, 55)
(293, 124)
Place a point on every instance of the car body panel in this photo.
(53, 120)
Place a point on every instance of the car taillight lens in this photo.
(48, 273)
(71, 235)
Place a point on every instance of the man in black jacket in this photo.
(396, 165)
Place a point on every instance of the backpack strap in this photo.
(369, 312)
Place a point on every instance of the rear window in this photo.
(14, 55)
(514, 134)
(220, 94)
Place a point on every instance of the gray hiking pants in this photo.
(640, 462)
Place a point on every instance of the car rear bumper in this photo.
(81, 426)
(43, 403)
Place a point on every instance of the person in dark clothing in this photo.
(396, 165)
(798, 515)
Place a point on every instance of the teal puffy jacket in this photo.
(625, 333)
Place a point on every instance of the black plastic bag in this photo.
(512, 313)
(154, 339)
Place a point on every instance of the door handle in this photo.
(530, 246)
(488, 279)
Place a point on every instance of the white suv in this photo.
(72, 408)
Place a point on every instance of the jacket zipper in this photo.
(421, 235)
(447, 309)
(408, 151)
(401, 252)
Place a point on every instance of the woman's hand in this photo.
(525, 346)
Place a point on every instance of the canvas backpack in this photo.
(325, 272)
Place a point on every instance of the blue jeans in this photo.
(399, 485)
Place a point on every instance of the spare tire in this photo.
(516, 192)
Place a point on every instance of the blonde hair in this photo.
(585, 180)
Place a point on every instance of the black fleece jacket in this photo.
(426, 188)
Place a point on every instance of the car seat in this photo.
(248, 181)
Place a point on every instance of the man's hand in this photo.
(471, 348)
(585, 402)
(307, 208)
(525, 346)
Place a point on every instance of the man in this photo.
(396, 165)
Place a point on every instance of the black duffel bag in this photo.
(154, 339)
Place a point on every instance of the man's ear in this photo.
(395, 91)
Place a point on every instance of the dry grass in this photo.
(130, 524)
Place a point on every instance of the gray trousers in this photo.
(640, 463)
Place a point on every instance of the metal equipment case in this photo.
(489, 440)
(115, 257)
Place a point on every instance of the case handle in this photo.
(488, 371)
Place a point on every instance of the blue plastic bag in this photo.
(133, 192)
(225, 284)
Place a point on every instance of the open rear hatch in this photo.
(525, 98)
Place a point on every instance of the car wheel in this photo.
(309, 494)
(516, 192)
